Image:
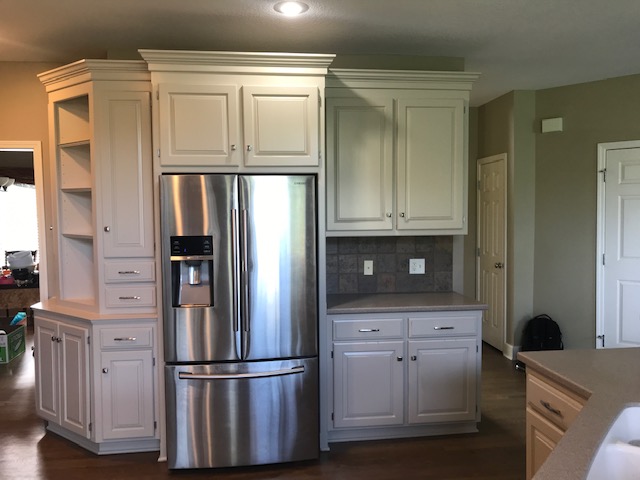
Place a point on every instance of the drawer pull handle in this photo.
(369, 330)
(548, 406)
(129, 272)
(135, 297)
(125, 339)
(443, 328)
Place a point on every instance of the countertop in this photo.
(400, 302)
(610, 379)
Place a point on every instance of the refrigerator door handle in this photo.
(234, 275)
(235, 376)
(245, 274)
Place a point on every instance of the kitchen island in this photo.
(402, 365)
(608, 380)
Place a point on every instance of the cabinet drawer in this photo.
(446, 324)
(131, 296)
(138, 271)
(126, 337)
(352, 329)
(553, 402)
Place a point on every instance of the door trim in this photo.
(603, 150)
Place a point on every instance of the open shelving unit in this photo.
(75, 200)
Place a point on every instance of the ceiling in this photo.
(514, 44)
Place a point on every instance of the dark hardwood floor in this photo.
(496, 452)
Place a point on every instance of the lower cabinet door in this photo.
(442, 380)
(127, 394)
(542, 438)
(368, 384)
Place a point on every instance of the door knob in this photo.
(498, 265)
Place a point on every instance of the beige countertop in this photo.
(400, 302)
(610, 379)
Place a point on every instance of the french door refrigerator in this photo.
(240, 319)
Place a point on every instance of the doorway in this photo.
(618, 248)
(492, 247)
(15, 156)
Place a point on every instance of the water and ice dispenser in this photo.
(192, 271)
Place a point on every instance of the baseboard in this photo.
(510, 351)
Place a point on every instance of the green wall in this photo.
(505, 125)
(566, 186)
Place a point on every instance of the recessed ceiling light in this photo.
(291, 9)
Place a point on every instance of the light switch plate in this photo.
(416, 266)
(368, 267)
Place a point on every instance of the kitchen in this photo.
(575, 194)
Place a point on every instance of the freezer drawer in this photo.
(238, 414)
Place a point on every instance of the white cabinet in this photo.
(397, 152)
(203, 125)
(95, 382)
(62, 374)
(368, 381)
(230, 109)
(100, 131)
(405, 374)
(125, 368)
(442, 380)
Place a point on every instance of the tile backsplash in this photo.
(390, 255)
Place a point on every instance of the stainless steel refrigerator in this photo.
(240, 319)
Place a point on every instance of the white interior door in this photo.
(618, 289)
(492, 249)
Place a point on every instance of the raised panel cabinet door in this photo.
(74, 379)
(359, 163)
(542, 438)
(127, 394)
(281, 126)
(47, 369)
(431, 166)
(125, 161)
(199, 125)
(442, 380)
(368, 384)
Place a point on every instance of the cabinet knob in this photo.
(51, 227)
(402, 214)
(249, 148)
(107, 229)
(105, 370)
(58, 340)
(414, 358)
(399, 359)
(499, 265)
(389, 214)
(53, 339)
(234, 147)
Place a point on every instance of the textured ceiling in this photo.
(514, 44)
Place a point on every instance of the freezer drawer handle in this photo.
(232, 376)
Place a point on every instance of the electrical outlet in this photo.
(416, 266)
(368, 267)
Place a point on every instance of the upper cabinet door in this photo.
(431, 168)
(199, 125)
(281, 126)
(125, 162)
(359, 163)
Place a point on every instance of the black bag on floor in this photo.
(540, 333)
